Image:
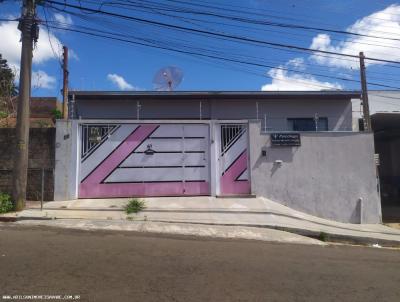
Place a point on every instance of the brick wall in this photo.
(41, 156)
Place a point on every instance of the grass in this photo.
(6, 204)
(135, 206)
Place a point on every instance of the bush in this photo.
(323, 236)
(134, 206)
(3, 114)
(6, 204)
(57, 114)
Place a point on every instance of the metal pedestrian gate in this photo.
(126, 160)
(233, 160)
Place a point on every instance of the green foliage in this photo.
(6, 204)
(323, 236)
(7, 80)
(56, 114)
(8, 90)
(3, 114)
(135, 206)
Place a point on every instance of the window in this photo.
(307, 124)
(229, 134)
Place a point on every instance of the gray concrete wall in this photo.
(325, 176)
(66, 176)
(41, 159)
(338, 112)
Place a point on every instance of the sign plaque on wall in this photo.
(285, 139)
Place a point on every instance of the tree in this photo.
(8, 91)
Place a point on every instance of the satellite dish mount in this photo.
(168, 78)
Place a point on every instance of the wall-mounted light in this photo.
(149, 150)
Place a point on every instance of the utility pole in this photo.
(364, 95)
(29, 34)
(65, 82)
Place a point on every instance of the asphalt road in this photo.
(125, 266)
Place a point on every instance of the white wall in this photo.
(325, 176)
(66, 176)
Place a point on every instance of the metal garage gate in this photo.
(125, 160)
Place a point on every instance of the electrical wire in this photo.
(114, 36)
(210, 33)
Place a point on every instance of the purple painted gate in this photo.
(233, 160)
(126, 160)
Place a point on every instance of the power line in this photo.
(251, 11)
(291, 70)
(286, 25)
(202, 54)
(232, 37)
(272, 47)
(157, 10)
(287, 50)
(49, 38)
(316, 74)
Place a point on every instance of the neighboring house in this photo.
(41, 112)
(41, 148)
(379, 101)
(385, 119)
(296, 148)
(386, 128)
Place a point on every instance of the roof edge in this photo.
(216, 94)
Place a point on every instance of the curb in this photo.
(17, 218)
(328, 237)
(338, 238)
(8, 219)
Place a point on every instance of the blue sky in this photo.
(99, 64)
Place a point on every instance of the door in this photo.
(233, 160)
(125, 160)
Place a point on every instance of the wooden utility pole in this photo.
(29, 34)
(364, 95)
(65, 82)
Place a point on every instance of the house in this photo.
(386, 128)
(41, 112)
(296, 148)
(40, 181)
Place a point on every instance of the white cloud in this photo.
(10, 45)
(297, 63)
(48, 48)
(65, 20)
(41, 79)
(384, 24)
(283, 80)
(120, 82)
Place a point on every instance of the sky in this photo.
(102, 64)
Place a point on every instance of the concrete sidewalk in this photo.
(187, 229)
(244, 212)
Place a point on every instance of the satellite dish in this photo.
(168, 78)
